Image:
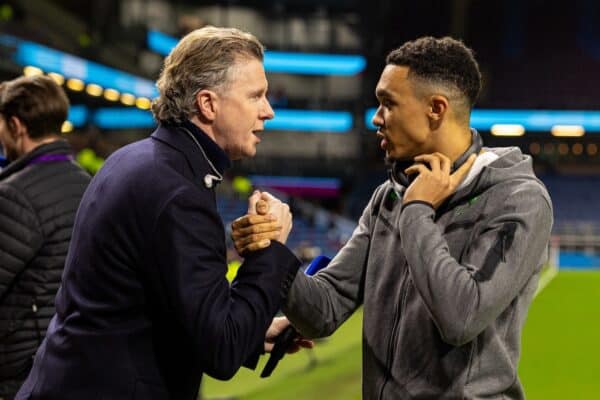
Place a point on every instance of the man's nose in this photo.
(267, 110)
(377, 119)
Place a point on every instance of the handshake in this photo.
(268, 219)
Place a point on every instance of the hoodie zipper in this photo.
(392, 342)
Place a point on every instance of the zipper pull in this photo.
(34, 307)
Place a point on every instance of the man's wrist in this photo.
(413, 202)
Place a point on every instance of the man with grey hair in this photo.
(144, 308)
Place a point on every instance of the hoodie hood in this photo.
(511, 164)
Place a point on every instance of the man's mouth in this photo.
(384, 141)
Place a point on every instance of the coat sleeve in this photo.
(464, 299)
(318, 305)
(20, 235)
(226, 323)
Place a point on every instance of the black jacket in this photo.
(144, 308)
(39, 195)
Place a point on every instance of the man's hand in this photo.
(268, 219)
(254, 232)
(280, 210)
(435, 184)
(277, 326)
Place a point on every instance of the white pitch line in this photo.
(547, 275)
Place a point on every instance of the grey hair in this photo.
(201, 60)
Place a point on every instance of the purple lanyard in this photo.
(49, 158)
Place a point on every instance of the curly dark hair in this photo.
(444, 61)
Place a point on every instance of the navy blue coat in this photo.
(144, 308)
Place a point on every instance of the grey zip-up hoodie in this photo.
(445, 292)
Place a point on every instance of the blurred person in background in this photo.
(145, 307)
(40, 190)
(447, 254)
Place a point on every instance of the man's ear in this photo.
(16, 127)
(438, 106)
(207, 104)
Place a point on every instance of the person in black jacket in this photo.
(144, 308)
(40, 190)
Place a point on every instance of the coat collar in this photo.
(182, 136)
(216, 155)
(57, 147)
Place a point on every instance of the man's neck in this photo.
(453, 141)
(206, 128)
(31, 144)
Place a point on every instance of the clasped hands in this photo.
(268, 219)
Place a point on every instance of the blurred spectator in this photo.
(40, 190)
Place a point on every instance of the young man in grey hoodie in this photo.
(446, 257)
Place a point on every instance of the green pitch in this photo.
(332, 371)
(561, 353)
